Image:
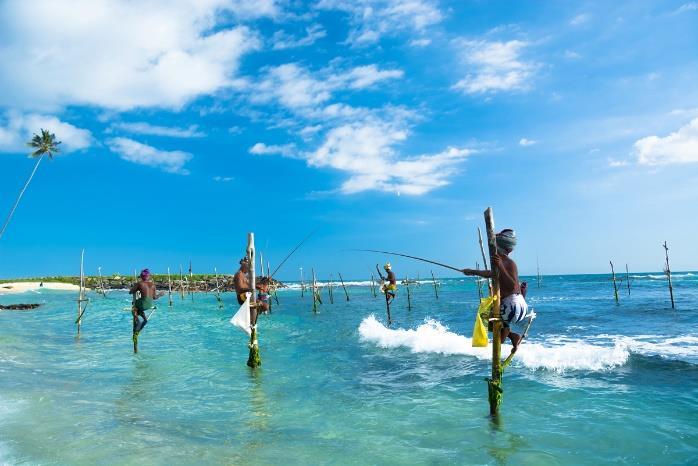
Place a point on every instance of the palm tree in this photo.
(44, 144)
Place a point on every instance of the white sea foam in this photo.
(556, 354)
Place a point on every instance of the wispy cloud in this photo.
(580, 19)
(679, 147)
(371, 20)
(295, 87)
(495, 67)
(223, 179)
(282, 40)
(527, 142)
(687, 7)
(143, 154)
(18, 128)
(191, 131)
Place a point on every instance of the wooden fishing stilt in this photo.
(343, 286)
(302, 284)
(218, 289)
(615, 286)
(494, 383)
(436, 291)
(484, 259)
(102, 290)
(667, 272)
(314, 290)
(627, 278)
(409, 297)
(254, 359)
(373, 286)
(272, 286)
(190, 282)
(169, 288)
(538, 272)
(181, 282)
(478, 282)
(329, 290)
(81, 293)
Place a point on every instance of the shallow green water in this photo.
(596, 383)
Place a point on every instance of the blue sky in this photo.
(388, 124)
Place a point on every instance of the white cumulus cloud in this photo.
(494, 67)
(678, 147)
(17, 129)
(143, 154)
(527, 142)
(120, 54)
(287, 150)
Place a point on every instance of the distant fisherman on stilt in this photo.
(146, 300)
(390, 287)
(514, 307)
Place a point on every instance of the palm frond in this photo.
(44, 144)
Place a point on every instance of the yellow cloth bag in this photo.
(479, 330)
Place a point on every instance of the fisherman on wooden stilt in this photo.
(144, 294)
(514, 308)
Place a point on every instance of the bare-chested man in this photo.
(513, 308)
(390, 287)
(241, 282)
(148, 295)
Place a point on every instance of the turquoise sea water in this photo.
(595, 383)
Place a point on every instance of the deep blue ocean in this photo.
(595, 383)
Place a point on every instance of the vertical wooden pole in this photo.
(80, 294)
(218, 289)
(101, 282)
(181, 282)
(329, 290)
(169, 287)
(667, 271)
(302, 284)
(373, 286)
(484, 259)
(494, 384)
(254, 359)
(409, 296)
(343, 286)
(478, 282)
(615, 286)
(538, 272)
(436, 291)
(627, 278)
(314, 291)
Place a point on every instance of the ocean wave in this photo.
(663, 276)
(555, 354)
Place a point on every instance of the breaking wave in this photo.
(555, 355)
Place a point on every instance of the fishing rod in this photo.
(291, 253)
(410, 257)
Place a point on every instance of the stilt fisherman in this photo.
(146, 300)
(513, 309)
(390, 285)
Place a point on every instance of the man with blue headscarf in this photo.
(513, 308)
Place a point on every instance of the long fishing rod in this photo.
(410, 257)
(291, 253)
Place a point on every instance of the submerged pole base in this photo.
(495, 393)
(254, 359)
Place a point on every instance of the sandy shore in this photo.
(23, 287)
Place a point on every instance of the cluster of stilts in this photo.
(617, 282)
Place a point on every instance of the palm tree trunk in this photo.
(21, 193)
